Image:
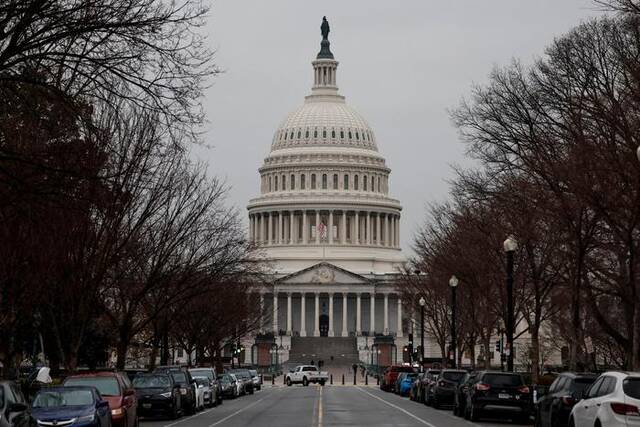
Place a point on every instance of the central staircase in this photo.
(338, 354)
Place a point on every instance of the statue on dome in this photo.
(324, 28)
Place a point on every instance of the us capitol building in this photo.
(327, 225)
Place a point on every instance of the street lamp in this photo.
(510, 246)
(453, 283)
(422, 302)
(638, 153)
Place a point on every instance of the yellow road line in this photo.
(320, 411)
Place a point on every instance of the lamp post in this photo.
(422, 302)
(510, 246)
(453, 283)
(638, 153)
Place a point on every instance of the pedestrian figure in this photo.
(311, 362)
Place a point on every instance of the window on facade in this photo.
(324, 133)
(333, 134)
(303, 181)
(364, 183)
(315, 133)
(373, 188)
(306, 135)
(357, 136)
(341, 134)
(291, 135)
(335, 181)
(313, 181)
(269, 183)
(285, 136)
(350, 137)
(346, 182)
(284, 183)
(275, 187)
(355, 182)
(324, 181)
(292, 182)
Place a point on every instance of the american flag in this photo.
(321, 229)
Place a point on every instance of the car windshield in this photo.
(225, 378)
(631, 387)
(201, 380)
(179, 377)
(410, 376)
(107, 386)
(253, 372)
(57, 398)
(456, 377)
(501, 380)
(156, 381)
(202, 373)
(402, 369)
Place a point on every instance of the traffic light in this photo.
(411, 339)
(498, 347)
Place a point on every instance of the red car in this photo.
(391, 375)
(116, 389)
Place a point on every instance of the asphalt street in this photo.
(316, 406)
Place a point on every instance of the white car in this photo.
(305, 374)
(203, 392)
(613, 400)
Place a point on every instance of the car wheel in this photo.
(435, 403)
(251, 390)
(473, 414)
(289, 382)
(305, 381)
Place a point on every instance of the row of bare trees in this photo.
(110, 235)
(556, 144)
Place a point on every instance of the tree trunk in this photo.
(164, 357)
(535, 353)
(487, 351)
(121, 353)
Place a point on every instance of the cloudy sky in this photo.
(403, 63)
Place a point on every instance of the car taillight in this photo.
(568, 400)
(625, 409)
(441, 383)
(523, 389)
(482, 387)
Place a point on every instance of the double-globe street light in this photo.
(453, 283)
(510, 246)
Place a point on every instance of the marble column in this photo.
(399, 327)
(316, 328)
(303, 315)
(316, 227)
(289, 323)
(368, 225)
(330, 230)
(357, 229)
(372, 322)
(269, 224)
(291, 222)
(386, 314)
(387, 230)
(378, 239)
(305, 228)
(358, 314)
(345, 330)
(251, 228)
(343, 228)
(331, 314)
(280, 239)
(275, 313)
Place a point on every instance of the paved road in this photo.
(316, 406)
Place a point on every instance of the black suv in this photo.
(502, 394)
(183, 378)
(554, 407)
(157, 394)
(460, 394)
(443, 390)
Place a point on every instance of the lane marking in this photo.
(237, 412)
(320, 409)
(398, 408)
(188, 418)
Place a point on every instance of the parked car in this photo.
(183, 378)
(257, 379)
(460, 394)
(81, 406)
(613, 400)
(210, 373)
(390, 376)
(427, 382)
(244, 376)
(115, 388)
(396, 384)
(500, 394)
(554, 407)
(14, 406)
(305, 374)
(414, 393)
(158, 394)
(442, 391)
(231, 387)
(407, 381)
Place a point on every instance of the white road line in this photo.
(188, 418)
(237, 412)
(398, 408)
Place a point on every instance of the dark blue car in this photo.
(71, 407)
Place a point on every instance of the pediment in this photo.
(322, 273)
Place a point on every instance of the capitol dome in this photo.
(324, 187)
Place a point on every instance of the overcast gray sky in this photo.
(403, 63)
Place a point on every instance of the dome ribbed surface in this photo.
(331, 124)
